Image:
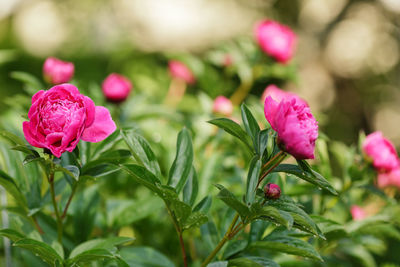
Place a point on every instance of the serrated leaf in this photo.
(191, 188)
(289, 245)
(311, 177)
(250, 124)
(234, 129)
(44, 251)
(142, 151)
(226, 196)
(182, 165)
(252, 179)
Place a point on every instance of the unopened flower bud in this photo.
(272, 191)
(116, 87)
(223, 105)
(56, 71)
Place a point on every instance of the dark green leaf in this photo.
(26, 149)
(289, 245)
(142, 152)
(88, 256)
(271, 214)
(250, 124)
(204, 205)
(234, 247)
(11, 234)
(226, 196)
(252, 179)
(311, 177)
(263, 141)
(70, 170)
(31, 158)
(8, 183)
(44, 251)
(182, 165)
(145, 257)
(179, 209)
(191, 188)
(107, 144)
(250, 261)
(234, 129)
(141, 175)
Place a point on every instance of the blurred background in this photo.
(346, 65)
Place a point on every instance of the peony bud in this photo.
(223, 105)
(116, 87)
(56, 71)
(278, 94)
(296, 127)
(357, 213)
(179, 70)
(391, 178)
(272, 191)
(276, 40)
(381, 151)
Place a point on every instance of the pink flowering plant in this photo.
(192, 169)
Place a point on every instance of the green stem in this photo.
(275, 161)
(228, 235)
(53, 198)
(179, 232)
(69, 201)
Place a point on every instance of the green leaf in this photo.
(89, 256)
(15, 140)
(252, 179)
(9, 185)
(204, 205)
(234, 247)
(311, 177)
(108, 244)
(26, 149)
(329, 226)
(179, 209)
(218, 264)
(33, 83)
(251, 125)
(182, 165)
(289, 245)
(234, 129)
(301, 219)
(250, 261)
(107, 144)
(142, 152)
(44, 251)
(32, 158)
(195, 219)
(95, 167)
(191, 188)
(263, 141)
(70, 170)
(141, 175)
(145, 257)
(271, 214)
(11, 234)
(226, 196)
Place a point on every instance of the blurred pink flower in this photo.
(223, 105)
(296, 127)
(272, 191)
(276, 40)
(381, 151)
(228, 60)
(357, 213)
(278, 94)
(116, 87)
(391, 178)
(56, 71)
(61, 116)
(179, 70)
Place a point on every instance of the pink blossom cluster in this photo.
(382, 153)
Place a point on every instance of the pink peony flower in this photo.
(272, 191)
(357, 213)
(296, 127)
(179, 70)
(223, 105)
(116, 87)
(56, 71)
(61, 116)
(278, 94)
(381, 151)
(276, 40)
(391, 178)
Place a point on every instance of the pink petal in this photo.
(101, 128)
(270, 109)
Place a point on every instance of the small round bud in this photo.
(272, 191)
